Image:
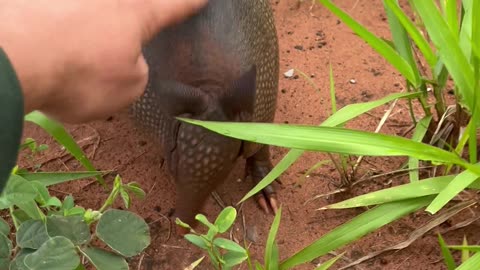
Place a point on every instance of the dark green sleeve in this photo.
(11, 118)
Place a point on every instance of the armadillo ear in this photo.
(175, 98)
(240, 103)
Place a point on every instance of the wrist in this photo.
(26, 52)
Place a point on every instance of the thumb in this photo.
(158, 14)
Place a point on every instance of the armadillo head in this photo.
(201, 159)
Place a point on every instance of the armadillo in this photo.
(220, 65)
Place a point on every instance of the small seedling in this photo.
(224, 253)
(35, 149)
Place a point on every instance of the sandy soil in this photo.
(309, 41)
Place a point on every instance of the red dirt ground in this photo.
(309, 41)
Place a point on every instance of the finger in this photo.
(157, 14)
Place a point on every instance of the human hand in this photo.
(80, 60)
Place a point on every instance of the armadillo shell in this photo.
(209, 51)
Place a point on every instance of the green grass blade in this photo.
(448, 49)
(342, 116)
(352, 111)
(472, 248)
(58, 132)
(451, 15)
(326, 265)
(426, 187)
(472, 144)
(356, 228)
(414, 33)
(420, 131)
(429, 186)
(471, 264)
(465, 253)
(269, 258)
(465, 36)
(459, 183)
(331, 139)
(447, 255)
(332, 91)
(400, 38)
(376, 43)
(52, 178)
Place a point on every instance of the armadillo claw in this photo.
(262, 202)
(274, 204)
(267, 200)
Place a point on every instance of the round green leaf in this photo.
(228, 245)
(104, 260)
(225, 219)
(4, 227)
(123, 231)
(4, 263)
(42, 192)
(20, 215)
(18, 263)
(31, 234)
(197, 241)
(57, 253)
(68, 202)
(18, 190)
(71, 227)
(5, 251)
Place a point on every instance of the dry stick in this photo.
(169, 224)
(450, 110)
(218, 199)
(462, 224)
(324, 195)
(362, 179)
(410, 128)
(348, 260)
(435, 137)
(96, 144)
(408, 258)
(123, 164)
(354, 6)
(140, 262)
(399, 172)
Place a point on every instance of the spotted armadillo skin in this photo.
(209, 51)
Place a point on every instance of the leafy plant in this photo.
(54, 234)
(213, 244)
(35, 149)
(225, 254)
(468, 261)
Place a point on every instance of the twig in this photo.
(140, 262)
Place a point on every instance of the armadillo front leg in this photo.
(189, 202)
(257, 167)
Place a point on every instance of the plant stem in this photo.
(15, 221)
(109, 201)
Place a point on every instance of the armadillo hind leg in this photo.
(257, 167)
